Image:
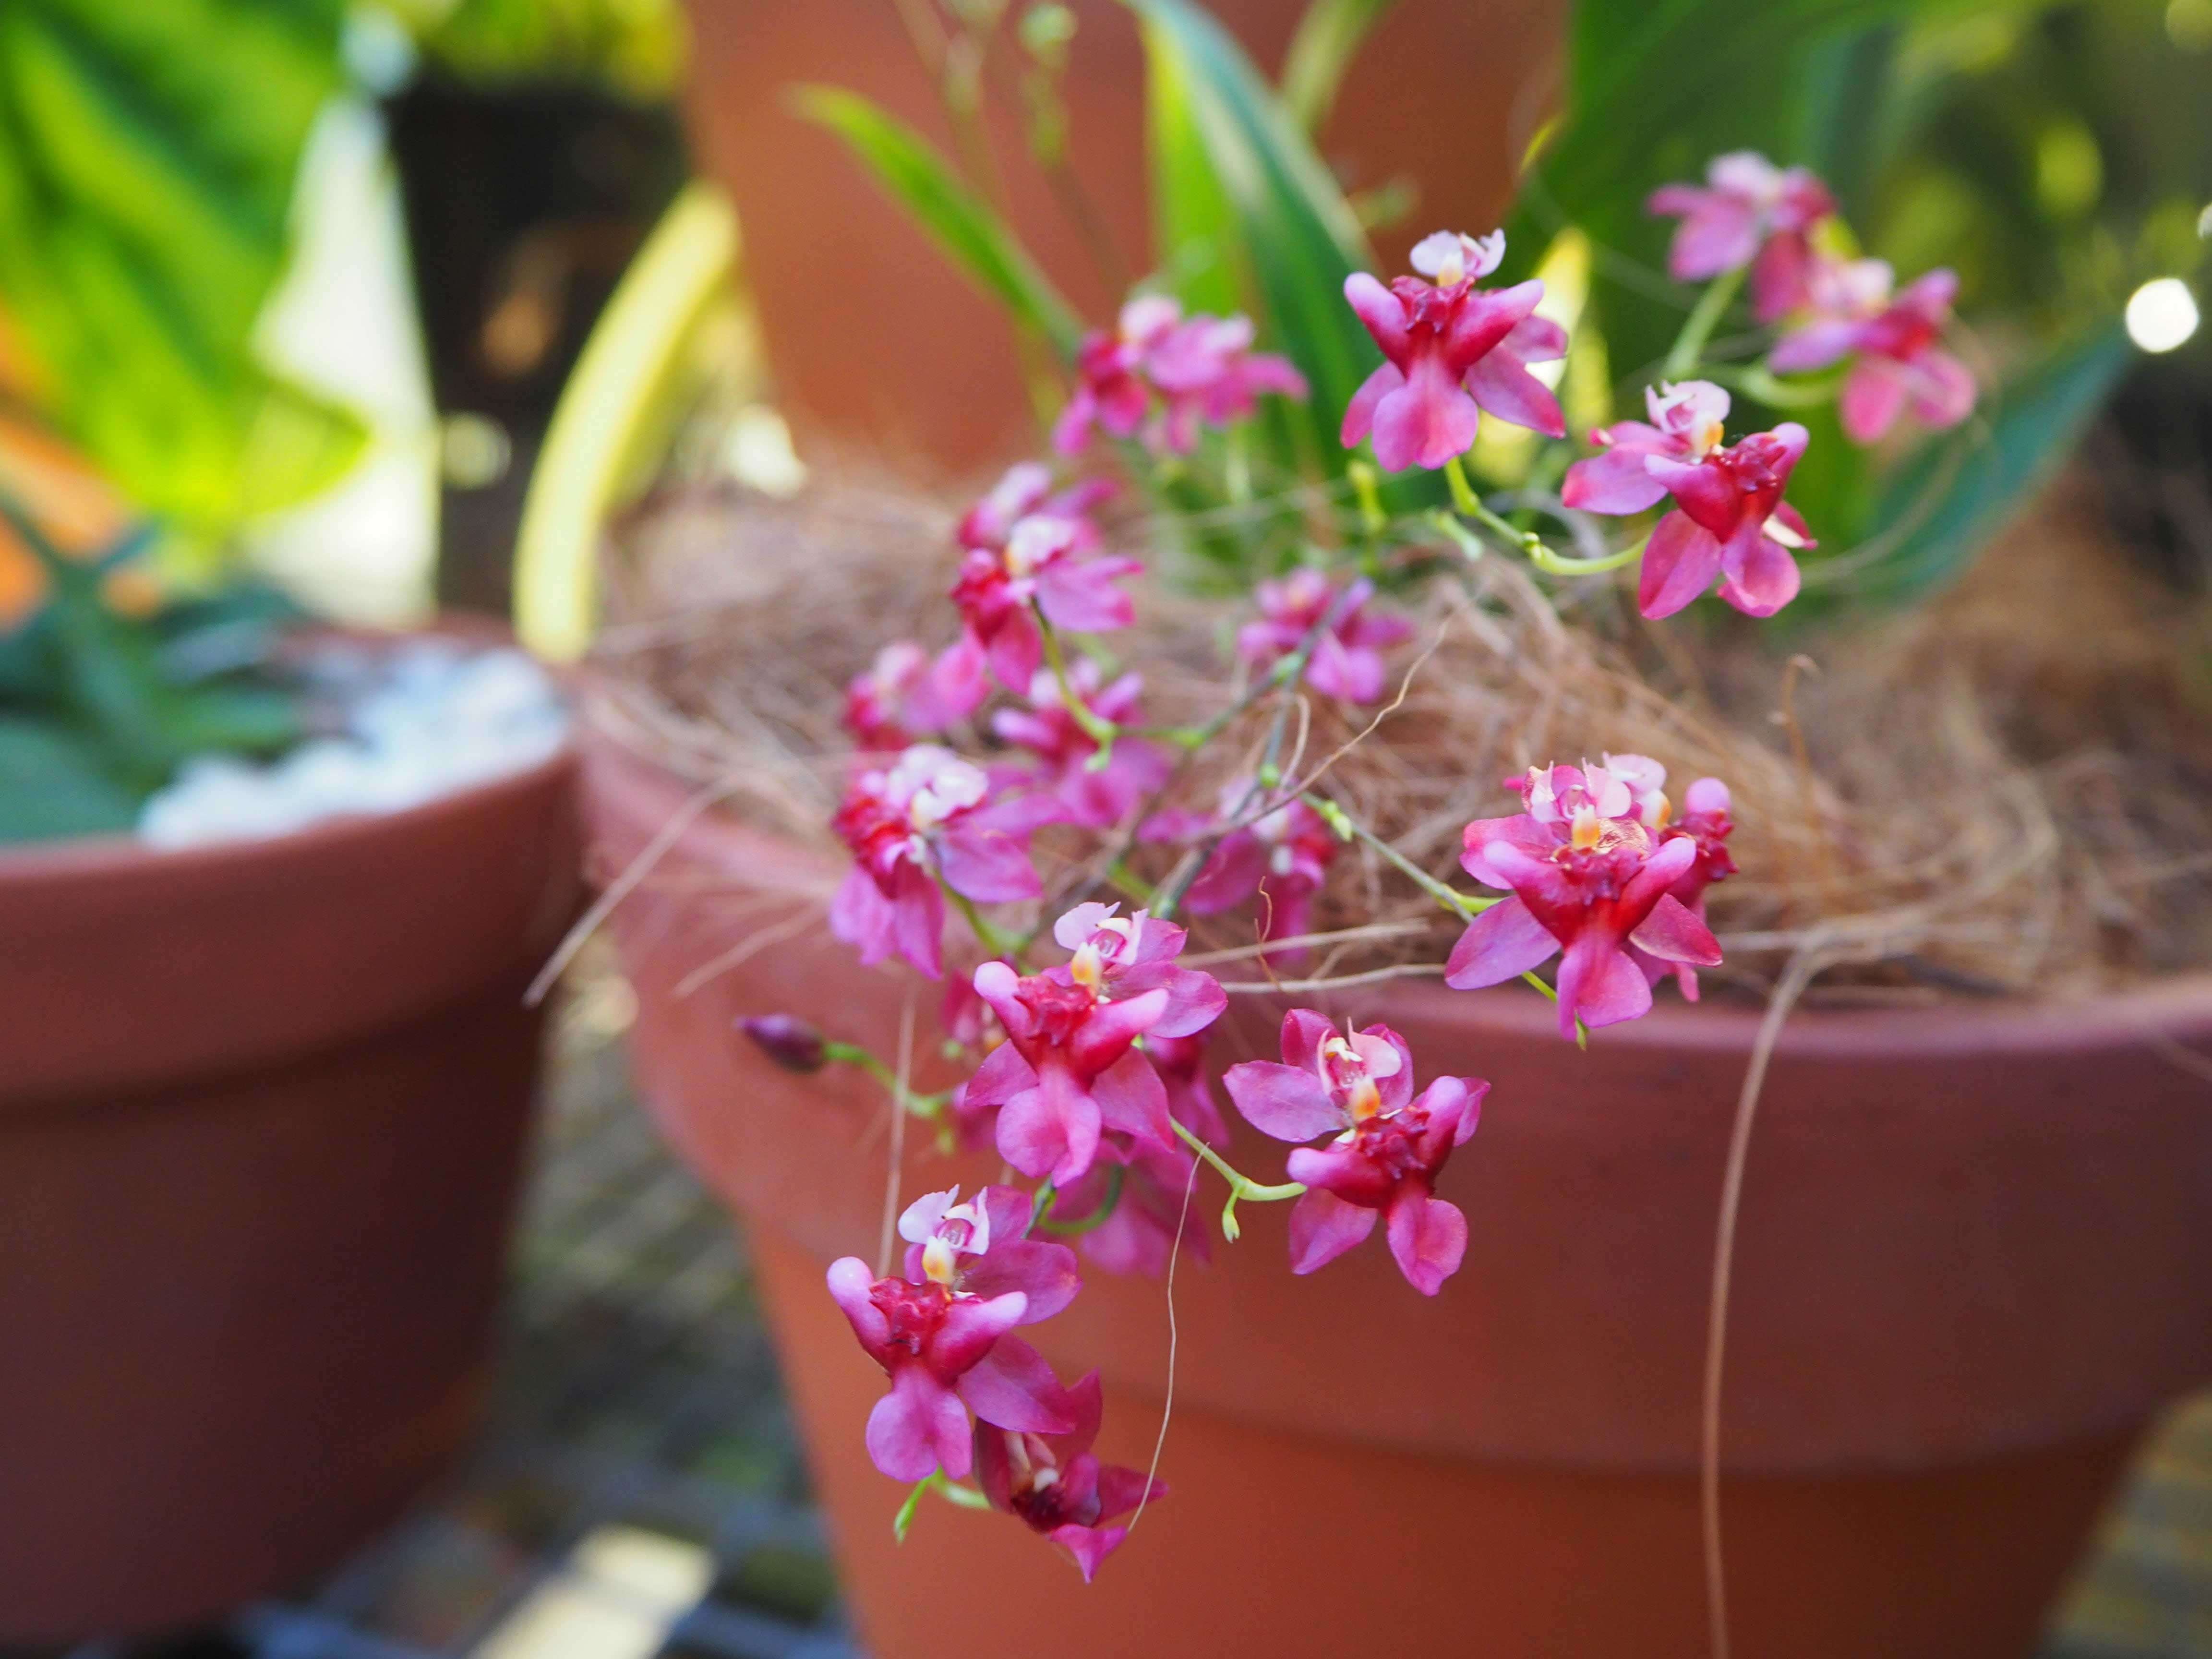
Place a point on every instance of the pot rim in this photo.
(2166, 1010)
(89, 857)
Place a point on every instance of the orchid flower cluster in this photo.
(1082, 1030)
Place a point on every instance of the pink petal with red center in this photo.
(1288, 1102)
(1672, 933)
(918, 1428)
(1195, 1000)
(1502, 386)
(1341, 1169)
(1704, 489)
(1322, 1228)
(1502, 942)
(1133, 1100)
(988, 865)
(1042, 1272)
(1521, 833)
(1089, 1545)
(1380, 312)
(1599, 984)
(1425, 422)
(1304, 1032)
(1003, 1074)
(1680, 563)
(1079, 594)
(1816, 345)
(970, 1330)
(1875, 394)
(1359, 413)
(1428, 1236)
(1051, 1129)
(1012, 1387)
(1487, 318)
(1107, 1032)
(1616, 481)
(1942, 389)
(1719, 233)
(1121, 1490)
(849, 1283)
(1762, 577)
(1456, 1101)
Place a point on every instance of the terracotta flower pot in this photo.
(261, 1124)
(876, 341)
(1972, 1263)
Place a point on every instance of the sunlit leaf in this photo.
(963, 225)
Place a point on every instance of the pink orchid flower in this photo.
(1729, 519)
(1900, 366)
(1388, 1146)
(1202, 370)
(1749, 212)
(1055, 1484)
(1207, 374)
(928, 818)
(1587, 875)
(906, 694)
(1098, 798)
(1068, 1072)
(1026, 548)
(1452, 352)
(1282, 859)
(1348, 662)
(1706, 822)
(942, 1338)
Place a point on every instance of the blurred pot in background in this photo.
(877, 343)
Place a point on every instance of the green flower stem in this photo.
(986, 935)
(1242, 1187)
(1040, 1222)
(1698, 329)
(1466, 909)
(960, 1497)
(851, 1053)
(1560, 564)
(1098, 729)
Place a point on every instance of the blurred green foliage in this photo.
(147, 153)
(633, 47)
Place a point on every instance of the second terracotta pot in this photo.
(262, 1118)
(879, 345)
(1973, 1262)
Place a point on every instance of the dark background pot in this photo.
(1972, 1264)
(261, 1124)
(877, 343)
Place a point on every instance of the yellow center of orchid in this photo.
(938, 1260)
(1087, 969)
(1587, 830)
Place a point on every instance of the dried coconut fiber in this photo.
(2008, 790)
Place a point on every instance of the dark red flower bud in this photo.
(789, 1041)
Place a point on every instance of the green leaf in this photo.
(1328, 39)
(58, 784)
(1297, 234)
(963, 225)
(1195, 228)
(1946, 504)
(148, 160)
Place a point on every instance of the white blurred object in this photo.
(2161, 315)
(428, 719)
(343, 321)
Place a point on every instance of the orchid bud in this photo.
(789, 1041)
